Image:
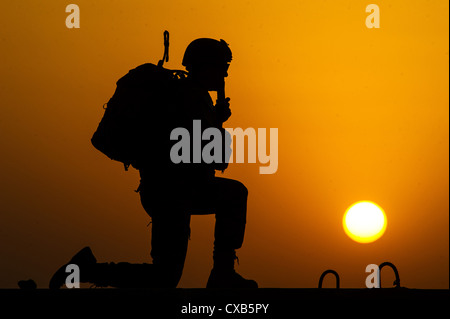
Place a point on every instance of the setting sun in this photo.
(364, 222)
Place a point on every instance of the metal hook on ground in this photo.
(397, 276)
(326, 272)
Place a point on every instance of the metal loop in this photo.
(397, 276)
(329, 271)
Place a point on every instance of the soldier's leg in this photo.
(230, 205)
(120, 275)
(170, 235)
(227, 199)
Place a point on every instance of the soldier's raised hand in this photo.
(223, 110)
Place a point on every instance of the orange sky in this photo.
(362, 114)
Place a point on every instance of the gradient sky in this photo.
(362, 114)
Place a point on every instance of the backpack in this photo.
(136, 111)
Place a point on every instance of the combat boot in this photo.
(230, 279)
(223, 274)
(84, 259)
(117, 275)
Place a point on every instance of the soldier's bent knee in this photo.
(241, 191)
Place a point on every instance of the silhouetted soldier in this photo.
(171, 193)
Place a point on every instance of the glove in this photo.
(223, 111)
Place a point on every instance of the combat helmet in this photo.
(206, 51)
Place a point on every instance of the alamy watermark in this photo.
(373, 279)
(73, 19)
(73, 279)
(258, 147)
